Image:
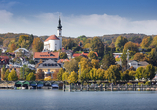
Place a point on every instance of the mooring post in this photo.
(63, 87)
(87, 87)
(81, 87)
(70, 88)
(105, 87)
(118, 87)
(111, 87)
(101, 86)
(126, 87)
(141, 87)
(135, 87)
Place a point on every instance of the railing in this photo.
(110, 87)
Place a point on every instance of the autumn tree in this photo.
(13, 47)
(78, 59)
(93, 74)
(65, 76)
(97, 46)
(48, 78)
(146, 41)
(120, 42)
(63, 55)
(139, 57)
(131, 46)
(95, 63)
(37, 45)
(23, 41)
(92, 55)
(3, 70)
(73, 77)
(100, 74)
(84, 63)
(12, 76)
(6, 75)
(60, 73)
(40, 75)
(30, 77)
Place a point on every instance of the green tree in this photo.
(73, 77)
(60, 73)
(97, 46)
(12, 76)
(150, 72)
(124, 61)
(107, 61)
(112, 73)
(30, 77)
(71, 65)
(92, 55)
(83, 38)
(63, 55)
(125, 76)
(140, 71)
(153, 57)
(120, 42)
(84, 75)
(6, 74)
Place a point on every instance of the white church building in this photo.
(54, 42)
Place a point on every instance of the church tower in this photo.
(59, 32)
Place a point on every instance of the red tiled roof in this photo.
(62, 60)
(84, 54)
(4, 58)
(52, 37)
(76, 54)
(46, 55)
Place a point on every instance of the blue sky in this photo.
(79, 17)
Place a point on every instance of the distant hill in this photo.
(104, 38)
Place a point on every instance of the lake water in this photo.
(59, 100)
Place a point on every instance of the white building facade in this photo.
(54, 43)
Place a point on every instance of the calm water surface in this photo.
(59, 100)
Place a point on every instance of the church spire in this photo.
(59, 24)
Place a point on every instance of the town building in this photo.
(4, 60)
(54, 43)
(49, 67)
(22, 52)
(45, 56)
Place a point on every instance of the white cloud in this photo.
(74, 26)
